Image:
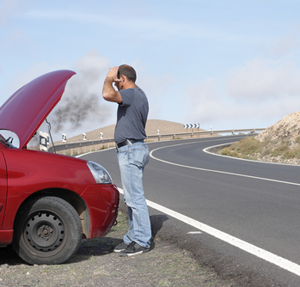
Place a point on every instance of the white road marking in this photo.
(243, 245)
(218, 171)
(252, 249)
(194, 232)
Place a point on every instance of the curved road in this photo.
(242, 217)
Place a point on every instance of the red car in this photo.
(48, 202)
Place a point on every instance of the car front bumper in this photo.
(102, 201)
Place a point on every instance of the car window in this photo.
(9, 139)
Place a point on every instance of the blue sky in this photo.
(227, 64)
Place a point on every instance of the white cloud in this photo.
(150, 27)
(155, 88)
(21, 78)
(287, 43)
(93, 68)
(15, 37)
(262, 79)
(262, 91)
(18, 42)
(8, 8)
(205, 102)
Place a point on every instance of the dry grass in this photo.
(245, 148)
(251, 148)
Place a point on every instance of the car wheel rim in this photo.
(44, 231)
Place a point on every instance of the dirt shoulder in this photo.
(95, 264)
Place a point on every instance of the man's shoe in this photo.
(134, 249)
(120, 247)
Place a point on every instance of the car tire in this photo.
(48, 230)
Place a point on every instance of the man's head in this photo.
(128, 72)
(127, 76)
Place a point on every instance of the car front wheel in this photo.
(48, 230)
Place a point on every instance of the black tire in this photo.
(47, 230)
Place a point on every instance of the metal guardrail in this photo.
(70, 146)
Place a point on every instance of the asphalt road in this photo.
(253, 204)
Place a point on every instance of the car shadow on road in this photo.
(8, 256)
(96, 246)
(89, 247)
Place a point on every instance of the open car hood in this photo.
(27, 108)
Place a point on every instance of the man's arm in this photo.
(108, 92)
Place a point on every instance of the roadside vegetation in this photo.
(251, 148)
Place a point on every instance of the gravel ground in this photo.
(95, 264)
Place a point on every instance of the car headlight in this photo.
(99, 172)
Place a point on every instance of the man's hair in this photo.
(127, 71)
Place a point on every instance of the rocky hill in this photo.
(281, 141)
(286, 130)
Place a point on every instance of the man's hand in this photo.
(108, 92)
(112, 75)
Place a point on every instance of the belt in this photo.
(127, 142)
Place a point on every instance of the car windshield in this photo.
(9, 139)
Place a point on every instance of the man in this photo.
(133, 154)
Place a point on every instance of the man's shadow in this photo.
(156, 221)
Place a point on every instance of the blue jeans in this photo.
(132, 160)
